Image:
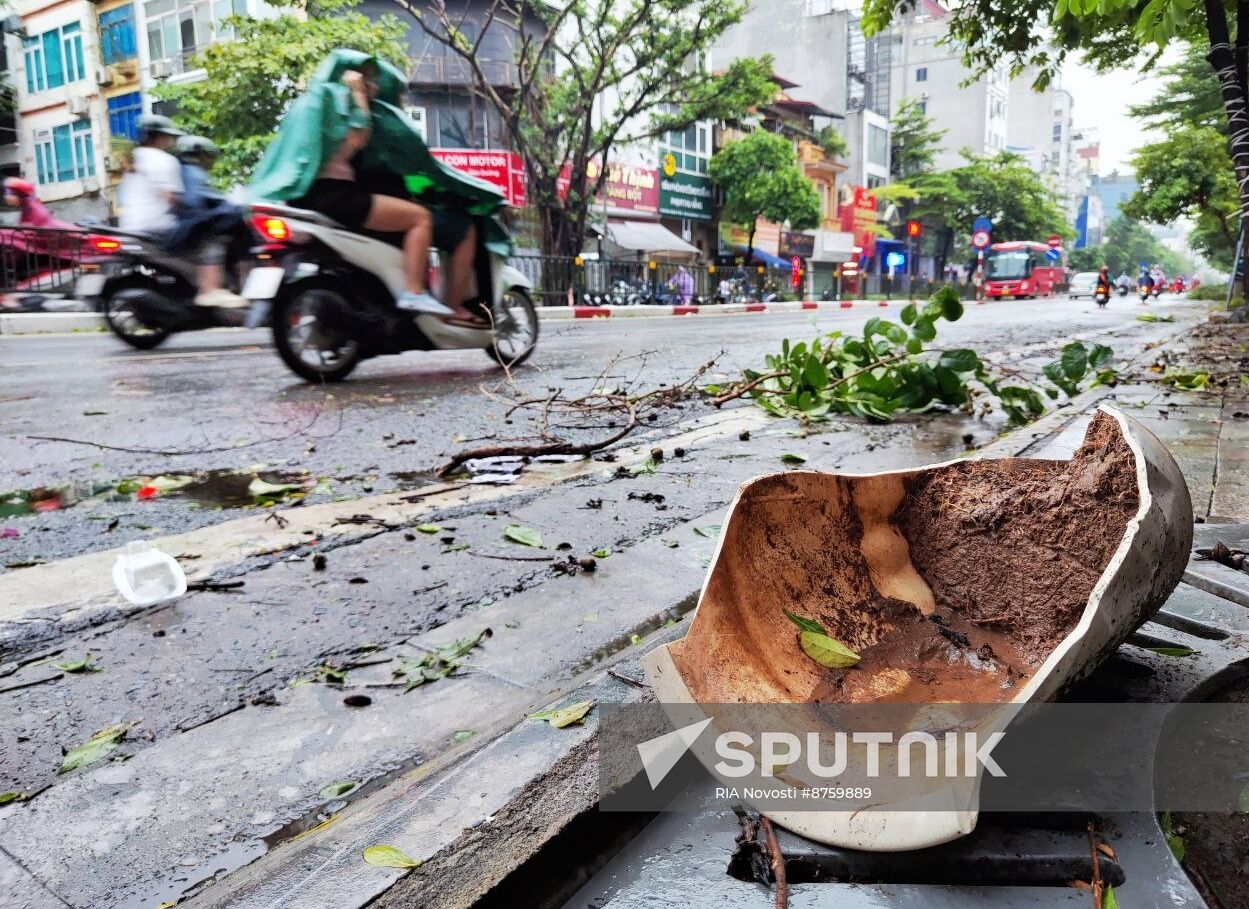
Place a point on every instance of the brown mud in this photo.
(1011, 551)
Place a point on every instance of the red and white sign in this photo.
(795, 274)
(1054, 241)
(980, 239)
(504, 169)
(859, 218)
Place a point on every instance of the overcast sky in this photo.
(1101, 100)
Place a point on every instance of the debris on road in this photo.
(146, 576)
(95, 748)
(561, 717)
(388, 857)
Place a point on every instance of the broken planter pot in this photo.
(996, 582)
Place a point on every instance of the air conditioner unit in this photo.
(418, 117)
(13, 25)
(77, 106)
(162, 69)
(103, 76)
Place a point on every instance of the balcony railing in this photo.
(457, 71)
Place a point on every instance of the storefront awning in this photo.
(762, 257)
(647, 236)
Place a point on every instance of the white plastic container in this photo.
(145, 576)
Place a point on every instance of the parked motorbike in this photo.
(333, 294)
(145, 294)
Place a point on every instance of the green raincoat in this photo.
(317, 124)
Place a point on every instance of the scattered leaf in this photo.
(826, 651)
(261, 490)
(1107, 850)
(334, 790)
(790, 457)
(1173, 651)
(601, 553)
(1152, 317)
(711, 531)
(463, 735)
(428, 528)
(526, 536)
(83, 665)
(94, 748)
(647, 466)
(805, 624)
(388, 857)
(458, 547)
(561, 717)
(6, 797)
(431, 667)
(635, 639)
(1108, 898)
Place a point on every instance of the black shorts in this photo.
(346, 201)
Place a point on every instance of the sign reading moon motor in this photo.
(683, 195)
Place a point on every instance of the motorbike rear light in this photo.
(103, 244)
(271, 228)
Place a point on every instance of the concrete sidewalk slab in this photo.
(44, 323)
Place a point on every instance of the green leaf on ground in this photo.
(826, 651)
(388, 857)
(428, 528)
(1173, 651)
(94, 748)
(711, 531)
(1153, 317)
(6, 797)
(561, 717)
(647, 466)
(805, 624)
(430, 667)
(526, 536)
(1074, 360)
(1188, 381)
(458, 547)
(260, 489)
(334, 790)
(1174, 841)
(790, 457)
(601, 553)
(83, 665)
(332, 674)
(463, 735)
(635, 639)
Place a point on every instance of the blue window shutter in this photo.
(52, 58)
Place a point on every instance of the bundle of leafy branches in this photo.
(890, 369)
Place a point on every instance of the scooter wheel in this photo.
(516, 328)
(120, 311)
(310, 348)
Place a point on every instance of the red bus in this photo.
(1021, 269)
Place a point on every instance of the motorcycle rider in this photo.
(346, 151)
(1103, 282)
(204, 215)
(1123, 283)
(150, 195)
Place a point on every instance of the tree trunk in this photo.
(1223, 59)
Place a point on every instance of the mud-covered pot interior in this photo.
(950, 584)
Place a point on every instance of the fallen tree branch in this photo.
(778, 865)
(747, 387)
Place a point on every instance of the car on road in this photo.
(1082, 284)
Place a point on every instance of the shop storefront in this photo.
(687, 204)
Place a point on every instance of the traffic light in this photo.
(914, 228)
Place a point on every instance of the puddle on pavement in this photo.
(206, 489)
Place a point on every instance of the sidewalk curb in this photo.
(46, 323)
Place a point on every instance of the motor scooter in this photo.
(333, 293)
(146, 294)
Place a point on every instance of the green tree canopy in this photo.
(914, 143)
(1000, 187)
(760, 178)
(250, 81)
(594, 75)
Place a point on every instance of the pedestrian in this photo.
(684, 283)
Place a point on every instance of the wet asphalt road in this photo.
(221, 407)
(209, 657)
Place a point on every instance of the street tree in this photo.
(1188, 175)
(1000, 187)
(914, 143)
(1107, 34)
(760, 178)
(595, 75)
(1187, 172)
(249, 82)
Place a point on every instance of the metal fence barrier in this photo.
(41, 260)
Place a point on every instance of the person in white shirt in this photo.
(149, 197)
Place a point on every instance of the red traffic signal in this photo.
(914, 228)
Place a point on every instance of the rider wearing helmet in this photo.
(205, 217)
(152, 202)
